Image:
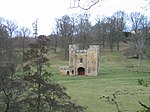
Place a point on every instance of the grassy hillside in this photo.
(117, 75)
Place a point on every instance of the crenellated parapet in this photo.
(83, 62)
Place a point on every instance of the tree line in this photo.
(25, 83)
(25, 80)
(133, 29)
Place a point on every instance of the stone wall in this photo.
(85, 59)
(82, 62)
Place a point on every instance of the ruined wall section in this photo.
(72, 58)
(93, 60)
(84, 59)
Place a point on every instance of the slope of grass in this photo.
(117, 74)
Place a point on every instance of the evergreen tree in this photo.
(44, 95)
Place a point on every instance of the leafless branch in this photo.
(147, 7)
(83, 4)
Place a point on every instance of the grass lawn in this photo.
(117, 74)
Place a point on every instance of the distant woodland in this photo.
(133, 29)
(24, 84)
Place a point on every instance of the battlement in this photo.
(82, 62)
(81, 51)
(76, 48)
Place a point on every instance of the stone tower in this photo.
(83, 62)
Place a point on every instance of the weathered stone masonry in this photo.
(82, 62)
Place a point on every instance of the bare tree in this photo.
(88, 4)
(139, 24)
(11, 27)
(111, 32)
(54, 38)
(83, 30)
(105, 31)
(119, 18)
(65, 29)
(73, 27)
(64, 25)
(83, 4)
(147, 7)
(101, 30)
(54, 41)
(25, 32)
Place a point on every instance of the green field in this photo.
(117, 74)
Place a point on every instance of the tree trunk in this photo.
(7, 102)
(139, 59)
(55, 49)
(103, 41)
(117, 45)
(39, 98)
(39, 69)
(66, 52)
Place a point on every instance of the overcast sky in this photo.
(25, 12)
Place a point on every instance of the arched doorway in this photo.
(81, 71)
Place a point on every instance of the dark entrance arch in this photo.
(81, 71)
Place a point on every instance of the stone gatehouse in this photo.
(82, 62)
